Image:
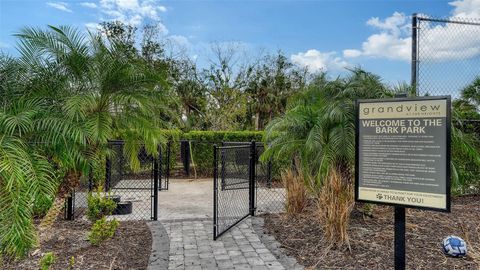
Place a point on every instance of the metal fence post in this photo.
(90, 180)
(160, 168)
(155, 187)
(269, 173)
(414, 52)
(108, 174)
(185, 146)
(252, 178)
(167, 173)
(399, 238)
(215, 190)
(69, 214)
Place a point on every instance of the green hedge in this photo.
(219, 136)
(202, 145)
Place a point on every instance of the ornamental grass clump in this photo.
(472, 237)
(296, 200)
(335, 203)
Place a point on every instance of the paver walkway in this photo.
(192, 247)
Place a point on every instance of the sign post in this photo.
(403, 157)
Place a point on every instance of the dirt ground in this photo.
(128, 249)
(371, 239)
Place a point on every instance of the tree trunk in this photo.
(70, 181)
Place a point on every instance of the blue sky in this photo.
(322, 35)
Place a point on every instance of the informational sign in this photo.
(403, 152)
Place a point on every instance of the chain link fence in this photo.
(446, 56)
(270, 192)
(133, 191)
(446, 61)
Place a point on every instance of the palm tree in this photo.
(26, 173)
(472, 92)
(318, 128)
(86, 90)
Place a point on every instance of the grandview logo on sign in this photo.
(403, 152)
(414, 108)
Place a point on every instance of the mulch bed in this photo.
(371, 239)
(128, 249)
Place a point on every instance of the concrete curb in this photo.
(160, 247)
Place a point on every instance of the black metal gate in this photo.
(234, 186)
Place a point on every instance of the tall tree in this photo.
(272, 82)
(226, 79)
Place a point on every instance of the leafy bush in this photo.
(99, 206)
(173, 136)
(47, 260)
(102, 230)
(466, 169)
(202, 145)
(42, 204)
(219, 136)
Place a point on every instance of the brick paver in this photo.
(192, 247)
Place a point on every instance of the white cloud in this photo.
(60, 6)
(133, 12)
(88, 5)
(393, 41)
(316, 61)
(179, 40)
(91, 26)
(396, 24)
(351, 53)
(443, 41)
(466, 8)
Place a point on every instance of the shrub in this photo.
(296, 192)
(99, 206)
(47, 260)
(41, 205)
(102, 230)
(174, 137)
(202, 145)
(466, 170)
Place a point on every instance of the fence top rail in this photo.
(234, 147)
(467, 21)
(469, 120)
(218, 142)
